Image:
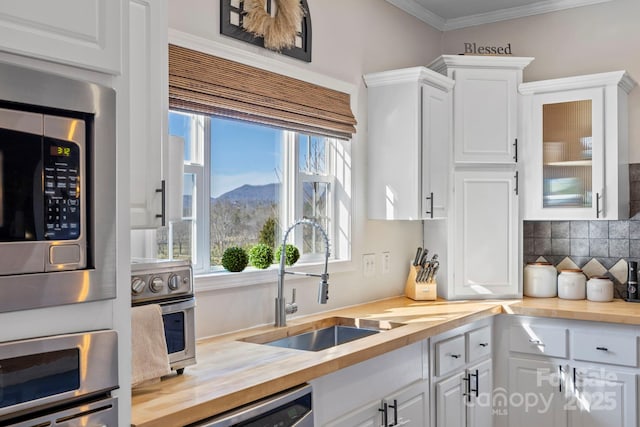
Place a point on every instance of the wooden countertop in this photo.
(231, 373)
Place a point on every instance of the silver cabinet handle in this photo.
(516, 189)
(598, 210)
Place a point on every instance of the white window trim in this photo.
(282, 65)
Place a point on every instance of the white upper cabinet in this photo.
(486, 232)
(81, 33)
(485, 106)
(575, 147)
(409, 145)
(155, 160)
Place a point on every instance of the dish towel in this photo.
(149, 356)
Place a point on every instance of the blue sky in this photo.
(241, 153)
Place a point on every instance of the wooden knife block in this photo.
(419, 291)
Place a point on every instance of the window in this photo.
(244, 182)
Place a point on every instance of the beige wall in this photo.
(591, 39)
(350, 38)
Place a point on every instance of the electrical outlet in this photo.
(368, 265)
(386, 262)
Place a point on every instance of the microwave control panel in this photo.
(61, 166)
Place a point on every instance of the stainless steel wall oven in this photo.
(57, 190)
(63, 380)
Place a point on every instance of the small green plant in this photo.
(235, 259)
(291, 254)
(261, 256)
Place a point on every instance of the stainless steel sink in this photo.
(323, 334)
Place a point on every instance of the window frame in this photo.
(291, 203)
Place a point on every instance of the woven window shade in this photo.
(207, 84)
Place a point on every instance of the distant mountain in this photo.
(268, 193)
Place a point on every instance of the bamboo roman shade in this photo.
(207, 84)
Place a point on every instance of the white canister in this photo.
(572, 284)
(600, 289)
(540, 280)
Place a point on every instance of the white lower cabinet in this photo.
(358, 395)
(602, 397)
(570, 373)
(535, 397)
(408, 407)
(463, 377)
(465, 399)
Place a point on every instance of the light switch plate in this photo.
(368, 265)
(386, 262)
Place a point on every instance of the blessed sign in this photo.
(474, 49)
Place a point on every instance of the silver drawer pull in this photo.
(484, 344)
(602, 348)
(456, 356)
(536, 342)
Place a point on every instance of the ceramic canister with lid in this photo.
(572, 284)
(600, 288)
(540, 280)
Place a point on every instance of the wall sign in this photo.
(232, 17)
(475, 49)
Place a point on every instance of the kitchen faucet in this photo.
(282, 307)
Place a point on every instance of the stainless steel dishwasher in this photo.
(291, 408)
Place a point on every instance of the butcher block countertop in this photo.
(231, 373)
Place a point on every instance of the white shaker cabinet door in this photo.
(486, 234)
(485, 116)
(602, 397)
(480, 408)
(83, 33)
(450, 406)
(542, 382)
(148, 103)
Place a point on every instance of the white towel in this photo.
(149, 356)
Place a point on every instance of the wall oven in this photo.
(63, 380)
(57, 190)
(169, 284)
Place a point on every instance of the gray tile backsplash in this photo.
(606, 241)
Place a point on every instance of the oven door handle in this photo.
(177, 305)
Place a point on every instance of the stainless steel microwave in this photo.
(57, 190)
(42, 192)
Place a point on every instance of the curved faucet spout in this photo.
(282, 308)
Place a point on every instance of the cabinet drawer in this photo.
(450, 355)
(616, 349)
(538, 339)
(478, 344)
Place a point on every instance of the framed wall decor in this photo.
(233, 15)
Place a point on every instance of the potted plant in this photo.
(291, 254)
(261, 256)
(235, 259)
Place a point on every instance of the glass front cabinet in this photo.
(574, 160)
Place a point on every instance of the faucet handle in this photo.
(292, 307)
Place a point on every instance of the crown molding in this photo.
(621, 79)
(444, 62)
(409, 75)
(545, 6)
(425, 15)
